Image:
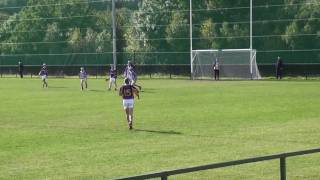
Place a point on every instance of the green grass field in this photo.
(63, 133)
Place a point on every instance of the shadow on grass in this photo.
(148, 90)
(97, 90)
(158, 132)
(172, 133)
(57, 87)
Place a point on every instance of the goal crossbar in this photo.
(225, 50)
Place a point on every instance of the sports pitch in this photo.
(63, 133)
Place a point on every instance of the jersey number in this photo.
(127, 92)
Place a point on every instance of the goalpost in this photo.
(233, 63)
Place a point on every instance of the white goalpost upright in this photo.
(114, 34)
(233, 63)
(251, 45)
(190, 15)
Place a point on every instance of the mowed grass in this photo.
(63, 133)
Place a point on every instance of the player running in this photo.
(131, 74)
(44, 75)
(127, 91)
(112, 78)
(127, 71)
(83, 78)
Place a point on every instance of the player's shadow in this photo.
(58, 87)
(159, 132)
(148, 90)
(97, 90)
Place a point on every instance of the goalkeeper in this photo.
(216, 69)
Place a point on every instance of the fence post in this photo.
(96, 72)
(282, 168)
(164, 177)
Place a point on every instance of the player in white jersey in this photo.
(130, 73)
(83, 78)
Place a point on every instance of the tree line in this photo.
(157, 31)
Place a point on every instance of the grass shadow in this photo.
(97, 90)
(159, 132)
(57, 87)
(148, 90)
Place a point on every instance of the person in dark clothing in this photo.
(20, 69)
(216, 70)
(279, 68)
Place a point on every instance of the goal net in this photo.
(233, 64)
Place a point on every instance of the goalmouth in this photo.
(233, 63)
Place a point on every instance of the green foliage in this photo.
(177, 32)
(309, 26)
(209, 33)
(155, 31)
(11, 6)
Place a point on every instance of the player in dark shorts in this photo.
(127, 91)
(20, 69)
(216, 69)
(279, 68)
